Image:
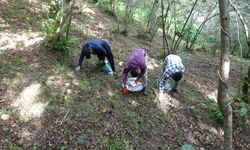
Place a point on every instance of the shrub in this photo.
(55, 11)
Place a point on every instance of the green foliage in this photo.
(242, 107)
(12, 146)
(55, 12)
(94, 1)
(140, 14)
(63, 44)
(207, 141)
(211, 39)
(217, 115)
(117, 144)
(63, 147)
(190, 32)
(160, 54)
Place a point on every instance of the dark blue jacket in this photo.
(100, 48)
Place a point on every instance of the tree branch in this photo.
(243, 23)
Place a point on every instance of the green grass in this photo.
(10, 145)
(116, 144)
(91, 99)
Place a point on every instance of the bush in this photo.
(55, 12)
(217, 114)
(63, 45)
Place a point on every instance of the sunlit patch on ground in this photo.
(4, 24)
(19, 40)
(121, 64)
(28, 102)
(88, 10)
(4, 116)
(153, 64)
(54, 80)
(31, 1)
(165, 101)
(213, 95)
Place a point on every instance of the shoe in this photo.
(145, 92)
(78, 68)
(175, 90)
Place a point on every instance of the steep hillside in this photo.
(45, 104)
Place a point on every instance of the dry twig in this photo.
(64, 117)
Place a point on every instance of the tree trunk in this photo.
(163, 28)
(68, 27)
(198, 31)
(177, 42)
(222, 98)
(238, 37)
(127, 17)
(173, 40)
(151, 14)
(64, 19)
(164, 37)
(244, 25)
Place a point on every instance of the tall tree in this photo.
(244, 25)
(198, 31)
(164, 36)
(65, 18)
(177, 42)
(222, 98)
(128, 15)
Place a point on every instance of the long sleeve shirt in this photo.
(137, 58)
(99, 47)
(172, 64)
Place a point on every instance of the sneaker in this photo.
(175, 90)
(78, 68)
(145, 92)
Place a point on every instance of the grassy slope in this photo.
(45, 104)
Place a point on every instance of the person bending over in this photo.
(173, 68)
(137, 66)
(97, 47)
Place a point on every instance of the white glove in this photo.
(78, 68)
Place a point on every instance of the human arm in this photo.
(80, 61)
(142, 72)
(125, 74)
(124, 79)
(164, 77)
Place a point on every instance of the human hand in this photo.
(78, 68)
(124, 90)
(136, 81)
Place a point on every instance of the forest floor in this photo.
(45, 104)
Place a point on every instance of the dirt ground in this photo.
(45, 104)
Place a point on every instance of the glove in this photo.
(78, 68)
(124, 90)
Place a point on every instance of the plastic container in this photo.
(168, 84)
(132, 87)
(107, 69)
